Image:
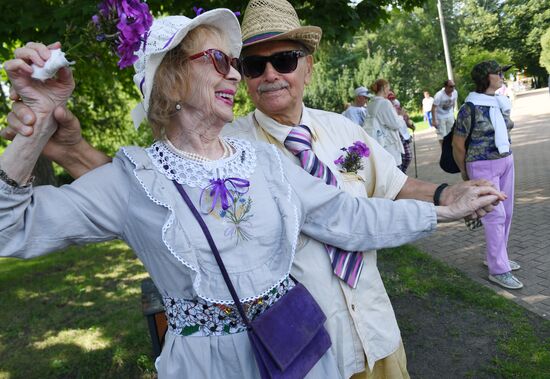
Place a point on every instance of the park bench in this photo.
(153, 310)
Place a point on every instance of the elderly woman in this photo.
(404, 134)
(383, 123)
(253, 200)
(489, 156)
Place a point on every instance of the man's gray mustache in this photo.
(265, 87)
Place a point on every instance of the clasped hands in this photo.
(42, 97)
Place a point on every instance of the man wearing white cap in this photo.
(277, 65)
(357, 112)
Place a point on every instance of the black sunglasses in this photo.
(222, 63)
(284, 62)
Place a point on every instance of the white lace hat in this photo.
(165, 34)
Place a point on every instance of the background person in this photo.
(360, 320)
(383, 123)
(406, 138)
(443, 109)
(427, 103)
(357, 112)
(489, 157)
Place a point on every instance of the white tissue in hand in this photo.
(52, 65)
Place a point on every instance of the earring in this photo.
(178, 107)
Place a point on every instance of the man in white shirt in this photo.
(357, 112)
(365, 336)
(427, 103)
(443, 109)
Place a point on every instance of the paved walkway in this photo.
(529, 241)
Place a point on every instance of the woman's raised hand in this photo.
(41, 96)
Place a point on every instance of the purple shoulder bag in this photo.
(289, 338)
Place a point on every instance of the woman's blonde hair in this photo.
(171, 82)
(378, 85)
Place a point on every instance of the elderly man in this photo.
(277, 65)
(357, 112)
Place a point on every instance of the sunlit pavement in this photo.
(529, 243)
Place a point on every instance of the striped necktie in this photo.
(346, 265)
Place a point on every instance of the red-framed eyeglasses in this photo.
(222, 63)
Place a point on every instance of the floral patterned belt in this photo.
(199, 317)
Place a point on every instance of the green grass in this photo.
(74, 314)
(523, 345)
(77, 314)
(419, 122)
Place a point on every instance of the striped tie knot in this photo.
(298, 142)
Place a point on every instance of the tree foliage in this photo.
(545, 50)
(104, 94)
(408, 50)
(524, 25)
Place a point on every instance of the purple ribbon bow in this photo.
(218, 190)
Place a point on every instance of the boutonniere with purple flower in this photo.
(351, 161)
(124, 25)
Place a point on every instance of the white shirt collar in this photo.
(280, 131)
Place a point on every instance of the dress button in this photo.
(353, 307)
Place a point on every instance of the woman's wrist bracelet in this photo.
(437, 193)
(6, 179)
(10, 182)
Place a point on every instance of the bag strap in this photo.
(214, 249)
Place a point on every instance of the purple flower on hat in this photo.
(199, 11)
(124, 23)
(125, 51)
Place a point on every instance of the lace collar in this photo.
(241, 164)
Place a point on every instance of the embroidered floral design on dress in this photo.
(237, 218)
(199, 317)
(234, 211)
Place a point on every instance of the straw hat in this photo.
(165, 34)
(275, 20)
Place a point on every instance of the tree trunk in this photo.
(43, 172)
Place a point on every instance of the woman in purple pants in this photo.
(489, 156)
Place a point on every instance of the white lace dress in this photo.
(134, 199)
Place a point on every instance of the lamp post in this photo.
(445, 45)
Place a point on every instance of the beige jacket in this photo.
(361, 321)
